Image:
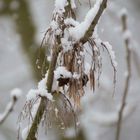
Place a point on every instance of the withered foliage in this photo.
(74, 59)
(58, 115)
(82, 60)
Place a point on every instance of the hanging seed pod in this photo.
(92, 79)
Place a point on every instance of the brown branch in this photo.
(52, 65)
(91, 28)
(128, 76)
(135, 58)
(8, 109)
(42, 106)
(89, 1)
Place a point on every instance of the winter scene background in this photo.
(95, 115)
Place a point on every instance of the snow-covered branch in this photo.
(67, 68)
(62, 8)
(15, 94)
(85, 29)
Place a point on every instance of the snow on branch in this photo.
(85, 29)
(67, 67)
(111, 53)
(15, 95)
(63, 9)
(40, 91)
(60, 5)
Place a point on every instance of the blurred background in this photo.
(22, 26)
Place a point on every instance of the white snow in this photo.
(55, 28)
(25, 132)
(44, 93)
(49, 58)
(87, 68)
(60, 4)
(71, 21)
(61, 71)
(79, 31)
(16, 92)
(55, 84)
(42, 83)
(131, 126)
(34, 109)
(54, 25)
(31, 94)
(67, 45)
(40, 91)
(76, 75)
(123, 12)
(127, 35)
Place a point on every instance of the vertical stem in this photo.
(36, 121)
(52, 68)
(89, 3)
(42, 106)
(128, 76)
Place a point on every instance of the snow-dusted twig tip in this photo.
(15, 94)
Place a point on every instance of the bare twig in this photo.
(128, 75)
(8, 109)
(135, 58)
(89, 1)
(42, 106)
(113, 65)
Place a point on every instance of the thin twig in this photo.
(8, 109)
(128, 76)
(89, 1)
(135, 58)
(114, 68)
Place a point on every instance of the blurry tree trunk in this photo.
(26, 28)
